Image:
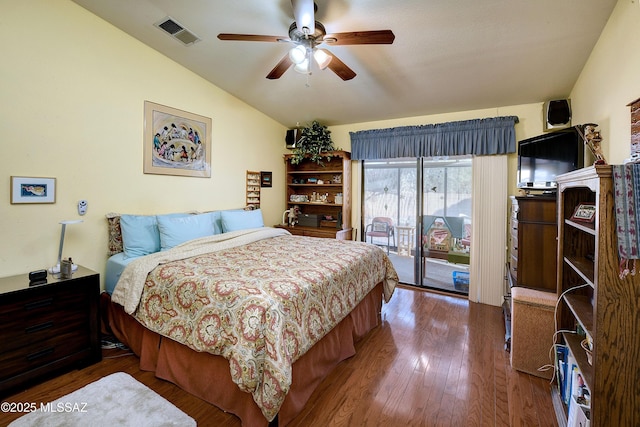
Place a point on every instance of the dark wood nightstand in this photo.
(47, 329)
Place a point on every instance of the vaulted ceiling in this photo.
(448, 55)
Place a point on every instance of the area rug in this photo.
(115, 400)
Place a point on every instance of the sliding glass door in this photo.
(419, 211)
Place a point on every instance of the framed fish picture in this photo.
(32, 190)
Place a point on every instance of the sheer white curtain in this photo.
(488, 233)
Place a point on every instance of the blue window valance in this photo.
(481, 137)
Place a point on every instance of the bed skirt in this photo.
(207, 376)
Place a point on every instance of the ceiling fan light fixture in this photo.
(303, 67)
(322, 59)
(298, 54)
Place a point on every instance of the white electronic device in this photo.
(82, 207)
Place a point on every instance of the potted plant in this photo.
(314, 144)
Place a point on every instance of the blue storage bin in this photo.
(461, 281)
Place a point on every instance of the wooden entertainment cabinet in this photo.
(321, 191)
(533, 247)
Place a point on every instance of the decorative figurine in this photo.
(592, 140)
(293, 215)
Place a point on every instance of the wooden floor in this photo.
(436, 360)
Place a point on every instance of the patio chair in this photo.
(381, 227)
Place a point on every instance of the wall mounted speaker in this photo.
(293, 136)
(557, 114)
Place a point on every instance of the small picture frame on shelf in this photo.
(585, 212)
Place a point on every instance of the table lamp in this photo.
(56, 268)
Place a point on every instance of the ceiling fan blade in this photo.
(280, 68)
(339, 67)
(252, 38)
(304, 13)
(361, 37)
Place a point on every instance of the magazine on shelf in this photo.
(571, 365)
(579, 390)
(561, 369)
(579, 415)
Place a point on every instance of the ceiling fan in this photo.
(308, 35)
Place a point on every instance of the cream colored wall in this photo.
(73, 89)
(611, 80)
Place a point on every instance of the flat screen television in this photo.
(543, 157)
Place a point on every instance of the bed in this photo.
(250, 319)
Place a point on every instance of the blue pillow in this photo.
(174, 231)
(140, 235)
(241, 220)
(217, 222)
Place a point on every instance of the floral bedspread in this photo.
(262, 305)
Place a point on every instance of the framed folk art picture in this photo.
(176, 142)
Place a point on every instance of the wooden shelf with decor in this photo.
(596, 302)
(253, 189)
(322, 193)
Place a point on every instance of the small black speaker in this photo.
(557, 114)
(293, 136)
(38, 277)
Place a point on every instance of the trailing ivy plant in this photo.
(314, 144)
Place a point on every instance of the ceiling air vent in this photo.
(177, 31)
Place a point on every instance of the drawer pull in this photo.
(39, 354)
(38, 304)
(37, 328)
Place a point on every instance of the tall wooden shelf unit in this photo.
(253, 189)
(608, 308)
(302, 181)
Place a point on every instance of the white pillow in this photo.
(174, 231)
(241, 220)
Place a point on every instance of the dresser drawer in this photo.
(534, 209)
(25, 332)
(48, 300)
(25, 319)
(41, 353)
